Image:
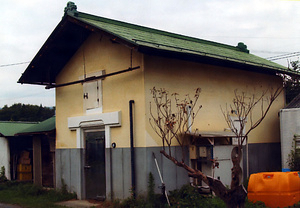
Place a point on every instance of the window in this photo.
(92, 93)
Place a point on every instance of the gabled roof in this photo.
(10, 128)
(75, 27)
(42, 127)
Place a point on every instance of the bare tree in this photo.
(173, 118)
(241, 110)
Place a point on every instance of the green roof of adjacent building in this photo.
(13, 128)
(75, 27)
(44, 126)
(10, 128)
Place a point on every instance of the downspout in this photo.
(133, 184)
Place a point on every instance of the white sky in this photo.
(267, 27)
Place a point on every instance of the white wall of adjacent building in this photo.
(289, 127)
(5, 156)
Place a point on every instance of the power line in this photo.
(14, 64)
(272, 58)
(288, 55)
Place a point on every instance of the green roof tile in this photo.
(79, 25)
(10, 128)
(44, 126)
(174, 42)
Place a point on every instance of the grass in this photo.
(30, 195)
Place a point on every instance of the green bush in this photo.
(152, 200)
(30, 195)
(189, 196)
(186, 196)
(294, 160)
(2, 175)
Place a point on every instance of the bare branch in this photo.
(173, 117)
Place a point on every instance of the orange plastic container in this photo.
(275, 189)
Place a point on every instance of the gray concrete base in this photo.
(70, 162)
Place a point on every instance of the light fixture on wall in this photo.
(113, 145)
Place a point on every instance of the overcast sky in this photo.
(267, 27)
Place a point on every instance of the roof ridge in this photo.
(157, 31)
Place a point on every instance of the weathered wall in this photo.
(99, 53)
(69, 167)
(289, 126)
(96, 54)
(218, 85)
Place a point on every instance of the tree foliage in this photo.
(26, 112)
(292, 84)
(294, 157)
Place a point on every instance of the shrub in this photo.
(30, 195)
(2, 175)
(189, 196)
(294, 158)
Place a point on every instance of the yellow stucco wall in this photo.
(99, 53)
(217, 85)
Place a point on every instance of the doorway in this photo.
(94, 168)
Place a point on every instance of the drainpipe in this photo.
(133, 184)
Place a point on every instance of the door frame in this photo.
(80, 124)
(85, 131)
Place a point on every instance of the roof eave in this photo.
(215, 60)
(35, 133)
(43, 66)
(46, 65)
(42, 59)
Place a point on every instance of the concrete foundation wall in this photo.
(69, 170)
(70, 163)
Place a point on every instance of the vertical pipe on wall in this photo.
(133, 184)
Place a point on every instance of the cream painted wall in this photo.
(218, 85)
(99, 53)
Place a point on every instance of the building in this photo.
(42, 136)
(28, 151)
(289, 129)
(12, 146)
(103, 71)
